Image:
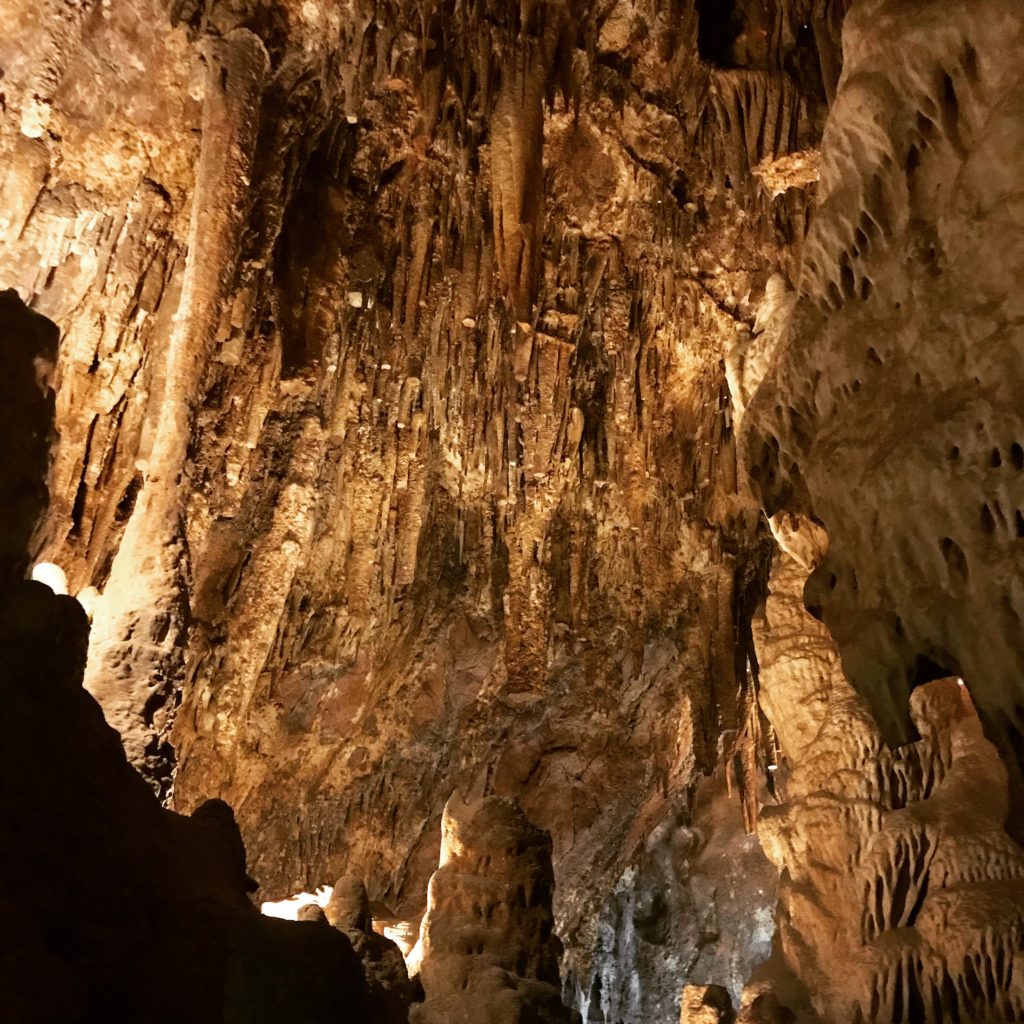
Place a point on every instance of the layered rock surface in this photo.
(487, 951)
(892, 412)
(895, 863)
(393, 425)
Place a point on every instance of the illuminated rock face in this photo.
(487, 950)
(396, 446)
(895, 863)
(893, 410)
(393, 424)
(889, 411)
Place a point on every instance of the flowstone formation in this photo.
(892, 412)
(880, 399)
(895, 863)
(393, 424)
(487, 951)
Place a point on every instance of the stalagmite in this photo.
(487, 950)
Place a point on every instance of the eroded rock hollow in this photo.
(541, 480)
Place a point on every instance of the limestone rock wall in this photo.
(880, 420)
(892, 411)
(393, 422)
(697, 904)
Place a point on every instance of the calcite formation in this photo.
(895, 863)
(487, 951)
(415, 355)
(892, 412)
(394, 433)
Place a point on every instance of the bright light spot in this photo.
(88, 599)
(773, 767)
(959, 680)
(52, 575)
(288, 910)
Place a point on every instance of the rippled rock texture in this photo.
(889, 412)
(892, 412)
(487, 950)
(393, 423)
(895, 863)
(403, 348)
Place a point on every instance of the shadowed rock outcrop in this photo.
(383, 965)
(28, 343)
(111, 908)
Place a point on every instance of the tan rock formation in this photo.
(393, 426)
(396, 456)
(892, 411)
(895, 863)
(889, 412)
(706, 1004)
(487, 950)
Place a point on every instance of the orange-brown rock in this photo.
(487, 951)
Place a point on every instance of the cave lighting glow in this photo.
(288, 910)
(52, 575)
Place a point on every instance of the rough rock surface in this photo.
(396, 456)
(487, 951)
(393, 423)
(892, 412)
(697, 903)
(895, 863)
(112, 908)
(706, 1004)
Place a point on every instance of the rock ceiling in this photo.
(426, 371)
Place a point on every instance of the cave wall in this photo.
(879, 417)
(394, 434)
(895, 862)
(892, 412)
(396, 456)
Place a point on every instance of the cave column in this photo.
(136, 655)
